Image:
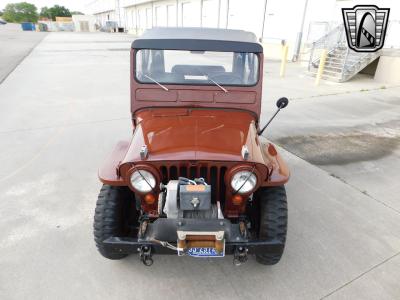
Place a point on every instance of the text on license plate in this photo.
(204, 252)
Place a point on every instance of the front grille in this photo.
(214, 175)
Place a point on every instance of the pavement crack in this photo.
(361, 275)
(364, 192)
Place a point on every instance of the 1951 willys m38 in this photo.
(195, 178)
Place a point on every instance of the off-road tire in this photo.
(273, 221)
(109, 217)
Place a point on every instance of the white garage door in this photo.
(247, 17)
(171, 16)
(161, 16)
(190, 15)
(149, 20)
(210, 13)
(142, 19)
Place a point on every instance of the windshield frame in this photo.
(209, 83)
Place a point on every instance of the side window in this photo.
(149, 62)
(156, 64)
(250, 69)
(246, 71)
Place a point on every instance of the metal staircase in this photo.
(341, 63)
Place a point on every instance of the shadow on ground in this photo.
(340, 149)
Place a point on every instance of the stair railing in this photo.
(353, 61)
(330, 41)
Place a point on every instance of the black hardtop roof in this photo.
(198, 39)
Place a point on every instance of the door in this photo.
(210, 13)
(142, 20)
(149, 18)
(161, 16)
(84, 25)
(171, 16)
(190, 15)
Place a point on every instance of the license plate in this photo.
(205, 252)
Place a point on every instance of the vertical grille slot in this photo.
(164, 175)
(193, 172)
(203, 173)
(173, 173)
(182, 171)
(213, 175)
(214, 182)
(222, 184)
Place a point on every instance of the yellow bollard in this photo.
(321, 66)
(285, 49)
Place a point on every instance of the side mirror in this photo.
(282, 102)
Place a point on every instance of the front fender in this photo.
(109, 171)
(279, 171)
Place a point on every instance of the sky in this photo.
(72, 5)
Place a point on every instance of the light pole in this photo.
(227, 14)
(119, 13)
(263, 24)
(300, 34)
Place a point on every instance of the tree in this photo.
(45, 13)
(76, 13)
(55, 11)
(20, 12)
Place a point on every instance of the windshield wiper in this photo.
(156, 82)
(217, 84)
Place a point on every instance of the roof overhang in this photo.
(197, 45)
(198, 39)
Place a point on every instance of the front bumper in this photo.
(166, 230)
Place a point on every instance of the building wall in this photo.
(103, 17)
(173, 13)
(88, 19)
(283, 18)
(388, 69)
(105, 10)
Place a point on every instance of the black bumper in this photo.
(166, 230)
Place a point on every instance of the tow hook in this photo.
(240, 255)
(143, 228)
(243, 229)
(146, 256)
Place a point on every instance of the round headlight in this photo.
(243, 182)
(143, 181)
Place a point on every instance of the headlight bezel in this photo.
(144, 170)
(243, 168)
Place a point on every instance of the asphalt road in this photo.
(15, 45)
(57, 130)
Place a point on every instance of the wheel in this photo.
(272, 221)
(115, 213)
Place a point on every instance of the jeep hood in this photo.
(194, 134)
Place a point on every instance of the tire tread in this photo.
(273, 221)
(107, 218)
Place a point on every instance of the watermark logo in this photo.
(365, 27)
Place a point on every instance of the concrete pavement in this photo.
(352, 134)
(57, 130)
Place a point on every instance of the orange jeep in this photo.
(195, 178)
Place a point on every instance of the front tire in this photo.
(110, 217)
(272, 221)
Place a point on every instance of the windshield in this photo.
(196, 67)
